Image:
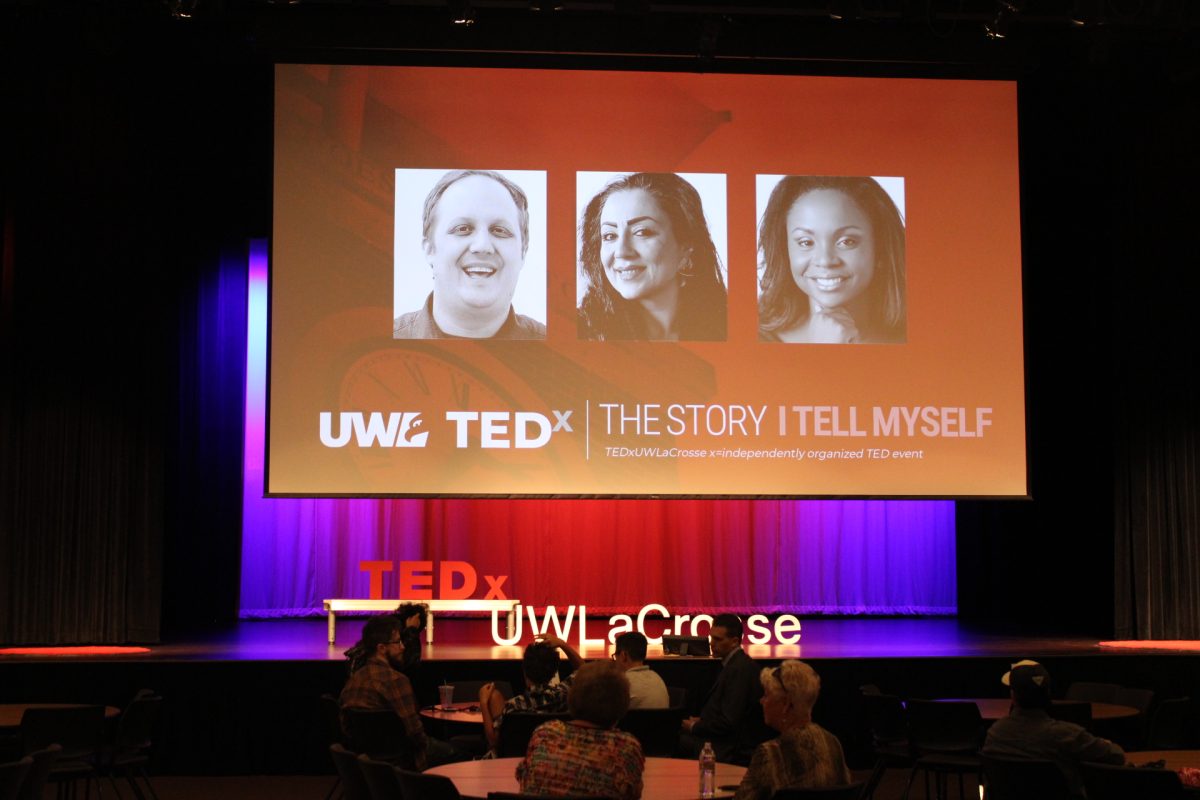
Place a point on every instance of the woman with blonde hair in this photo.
(804, 755)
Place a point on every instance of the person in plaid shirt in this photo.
(587, 756)
(379, 684)
(540, 665)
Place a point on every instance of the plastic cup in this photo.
(446, 694)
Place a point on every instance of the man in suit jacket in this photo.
(732, 716)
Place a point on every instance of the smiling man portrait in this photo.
(475, 239)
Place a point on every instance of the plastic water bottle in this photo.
(708, 771)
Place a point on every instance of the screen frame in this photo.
(900, 68)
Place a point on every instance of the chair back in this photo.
(77, 729)
(426, 786)
(354, 783)
(1130, 732)
(39, 772)
(518, 727)
(12, 775)
(1024, 779)
(381, 778)
(136, 726)
(329, 713)
(677, 696)
(850, 791)
(1106, 782)
(1174, 726)
(1077, 711)
(885, 718)
(944, 727)
(1090, 692)
(379, 733)
(656, 728)
(1140, 699)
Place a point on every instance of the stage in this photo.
(466, 640)
(243, 700)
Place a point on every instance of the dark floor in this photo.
(244, 700)
(288, 787)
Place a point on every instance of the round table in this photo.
(663, 778)
(468, 713)
(1176, 759)
(994, 708)
(10, 713)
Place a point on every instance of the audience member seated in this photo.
(805, 755)
(1030, 732)
(413, 621)
(731, 717)
(378, 684)
(646, 688)
(586, 757)
(542, 692)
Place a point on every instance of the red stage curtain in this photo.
(836, 557)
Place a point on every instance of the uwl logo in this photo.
(401, 429)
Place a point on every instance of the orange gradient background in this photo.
(341, 132)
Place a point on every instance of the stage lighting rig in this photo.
(998, 27)
(182, 9)
(462, 13)
(1087, 13)
(842, 10)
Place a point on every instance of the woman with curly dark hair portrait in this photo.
(649, 262)
(832, 260)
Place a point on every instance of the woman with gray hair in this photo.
(588, 756)
(805, 755)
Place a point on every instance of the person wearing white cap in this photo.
(1030, 732)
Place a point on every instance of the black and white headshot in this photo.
(470, 254)
(831, 260)
(652, 249)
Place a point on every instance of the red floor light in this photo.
(1154, 644)
(83, 650)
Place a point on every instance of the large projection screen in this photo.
(538, 282)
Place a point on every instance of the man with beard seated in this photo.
(378, 684)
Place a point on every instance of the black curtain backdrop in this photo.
(1157, 431)
(1158, 508)
(129, 161)
(84, 401)
(1156, 356)
(1110, 544)
(135, 163)
(203, 548)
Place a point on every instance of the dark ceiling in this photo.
(979, 37)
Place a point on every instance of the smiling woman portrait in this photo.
(832, 261)
(649, 264)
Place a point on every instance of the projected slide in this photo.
(538, 282)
